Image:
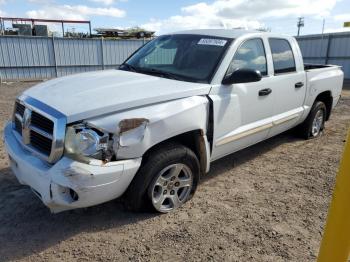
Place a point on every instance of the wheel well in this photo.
(193, 140)
(327, 99)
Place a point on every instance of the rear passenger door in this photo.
(289, 85)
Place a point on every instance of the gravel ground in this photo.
(265, 203)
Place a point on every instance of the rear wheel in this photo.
(166, 180)
(314, 124)
(317, 123)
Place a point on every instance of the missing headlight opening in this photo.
(131, 131)
(129, 124)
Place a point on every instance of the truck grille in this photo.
(18, 126)
(40, 142)
(42, 122)
(39, 132)
(20, 109)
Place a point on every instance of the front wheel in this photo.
(171, 187)
(166, 180)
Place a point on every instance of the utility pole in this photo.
(324, 21)
(300, 24)
(2, 29)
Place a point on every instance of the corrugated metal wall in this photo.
(327, 49)
(41, 57)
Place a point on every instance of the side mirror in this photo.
(242, 75)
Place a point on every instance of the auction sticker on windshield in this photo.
(216, 42)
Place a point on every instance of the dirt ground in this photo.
(265, 203)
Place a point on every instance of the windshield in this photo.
(191, 58)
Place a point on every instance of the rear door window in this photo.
(282, 56)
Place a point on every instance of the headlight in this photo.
(83, 142)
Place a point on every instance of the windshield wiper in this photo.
(128, 67)
(160, 73)
(156, 72)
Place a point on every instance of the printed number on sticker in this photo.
(208, 41)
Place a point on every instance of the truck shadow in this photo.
(236, 159)
(28, 227)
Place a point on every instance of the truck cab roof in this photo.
(228, 33)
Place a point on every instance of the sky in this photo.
(164, 16)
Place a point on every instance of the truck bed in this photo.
(308, 67)
(322, 78)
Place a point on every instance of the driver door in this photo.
(243, 112)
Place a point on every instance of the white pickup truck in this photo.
(148, 130)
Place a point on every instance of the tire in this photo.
(318, 113)
(155, 180)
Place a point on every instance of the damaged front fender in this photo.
(131, 131)
(137, 130)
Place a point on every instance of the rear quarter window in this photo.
(282, 56)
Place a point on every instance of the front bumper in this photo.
(56, 184)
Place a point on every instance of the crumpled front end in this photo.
(69, 184)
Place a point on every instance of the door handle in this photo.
(265, 92)
(299, 85)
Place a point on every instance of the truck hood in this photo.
(91, 94)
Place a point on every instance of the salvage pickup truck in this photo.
(148, 130)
